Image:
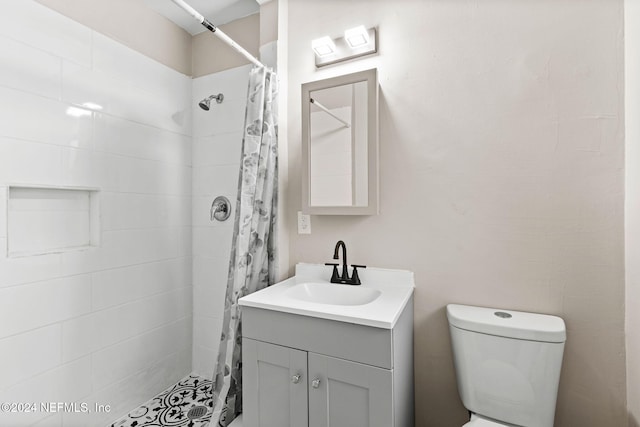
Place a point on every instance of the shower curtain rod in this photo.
(218, 32)
(326, 110)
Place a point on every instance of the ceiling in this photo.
(217, 11)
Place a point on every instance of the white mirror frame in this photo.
(371, 77)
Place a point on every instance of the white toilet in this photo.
(507, 365)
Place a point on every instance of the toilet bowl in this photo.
(507, 364)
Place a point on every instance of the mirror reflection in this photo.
(338, 169)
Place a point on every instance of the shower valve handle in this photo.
(220, 208)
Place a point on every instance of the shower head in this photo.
(205, 103)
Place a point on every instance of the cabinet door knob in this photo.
(315, 383)
(295, 379)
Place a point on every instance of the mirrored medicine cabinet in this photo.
(340, 145)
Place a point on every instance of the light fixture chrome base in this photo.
(344, 52)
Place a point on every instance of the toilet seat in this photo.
(478, 421)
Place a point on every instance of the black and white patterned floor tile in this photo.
(170, 408)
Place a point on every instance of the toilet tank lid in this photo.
(507, 323)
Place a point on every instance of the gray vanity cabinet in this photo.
(300, 371)
(277, 376)
(349, 394)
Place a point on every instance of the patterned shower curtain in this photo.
(253, 252)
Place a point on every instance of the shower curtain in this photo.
(253, 252)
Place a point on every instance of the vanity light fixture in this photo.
(358, 41)
(357, 36)
(323, 46)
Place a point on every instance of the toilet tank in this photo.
(507, 363)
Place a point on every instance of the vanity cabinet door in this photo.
(274, 385)
(348, 394)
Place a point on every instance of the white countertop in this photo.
(395, 286)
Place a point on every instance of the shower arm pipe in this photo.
(326, 110)
(218, 32)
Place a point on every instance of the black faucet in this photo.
(344, 277)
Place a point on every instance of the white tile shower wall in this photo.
(138, 387)
(69, 382)
(36, 26)
(113, 324)
(216, 162)
(28, 68)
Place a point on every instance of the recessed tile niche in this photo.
(44, 220)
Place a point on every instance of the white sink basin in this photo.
(330, 293)
(377, 302)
